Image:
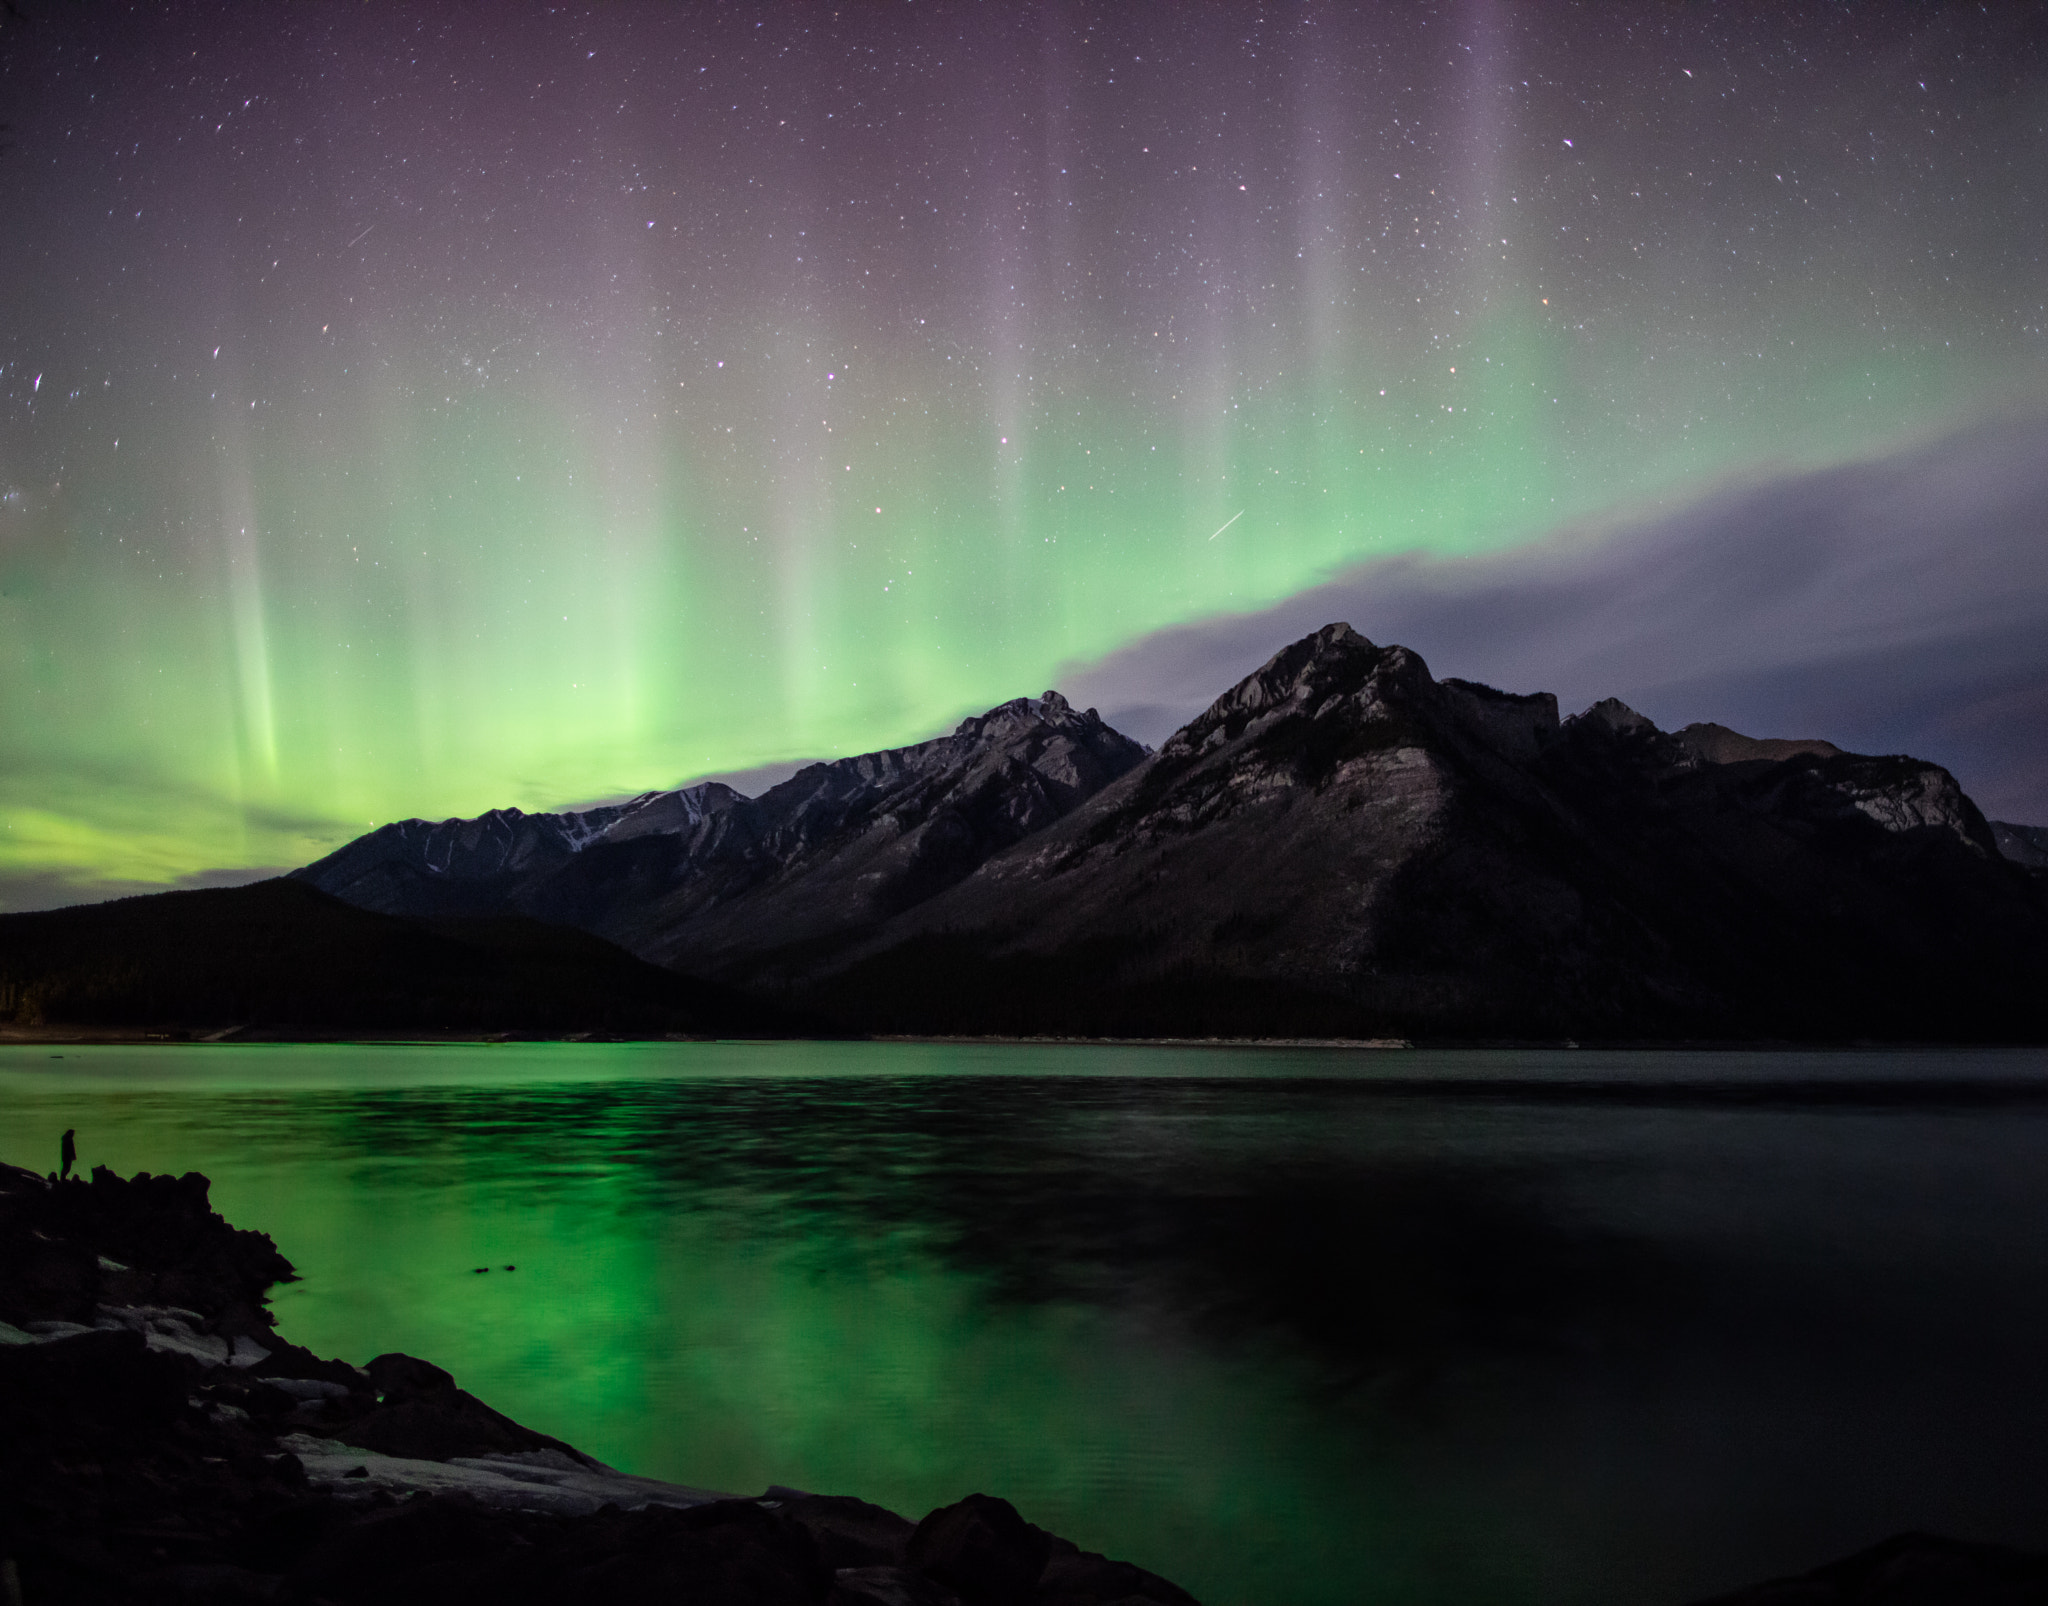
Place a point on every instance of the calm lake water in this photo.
(1291, 1327)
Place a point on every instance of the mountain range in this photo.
(707, 881)
(1340, 846)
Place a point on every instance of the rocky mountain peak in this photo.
(1044, 734)
(1051, 710)
(1616, 716)
(1336, 658)
(656, 813)
(1313, 678)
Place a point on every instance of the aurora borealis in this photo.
(414, 410)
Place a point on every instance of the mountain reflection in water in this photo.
(1287, 1328)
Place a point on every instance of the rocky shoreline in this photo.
(160, 1441)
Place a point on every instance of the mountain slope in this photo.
(283, 956)
(1343, 845)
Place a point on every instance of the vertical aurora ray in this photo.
(611, 397)
(248, 629)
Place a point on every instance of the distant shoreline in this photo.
(177, 1037)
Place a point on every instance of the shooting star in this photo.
(1228, 522)
(358, 240)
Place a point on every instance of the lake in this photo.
(1290, 1326)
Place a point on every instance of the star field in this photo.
(411, 410)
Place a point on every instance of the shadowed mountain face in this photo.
(708, 880)
(1343, 845)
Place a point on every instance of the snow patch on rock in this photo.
(526, 1480)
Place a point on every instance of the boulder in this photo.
(980, 1548)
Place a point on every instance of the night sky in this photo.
(413, 410)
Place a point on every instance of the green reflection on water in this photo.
(1213, 1312)
(699, 1298)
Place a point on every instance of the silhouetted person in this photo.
(68, 1153)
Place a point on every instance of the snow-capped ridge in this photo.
(949, 801)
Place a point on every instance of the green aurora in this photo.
(376, 441)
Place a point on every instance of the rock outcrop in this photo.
(160, 1441)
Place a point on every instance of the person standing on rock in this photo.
(68, 1153)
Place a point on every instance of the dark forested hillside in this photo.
(282, 955)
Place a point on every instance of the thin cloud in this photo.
(1893, 605)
